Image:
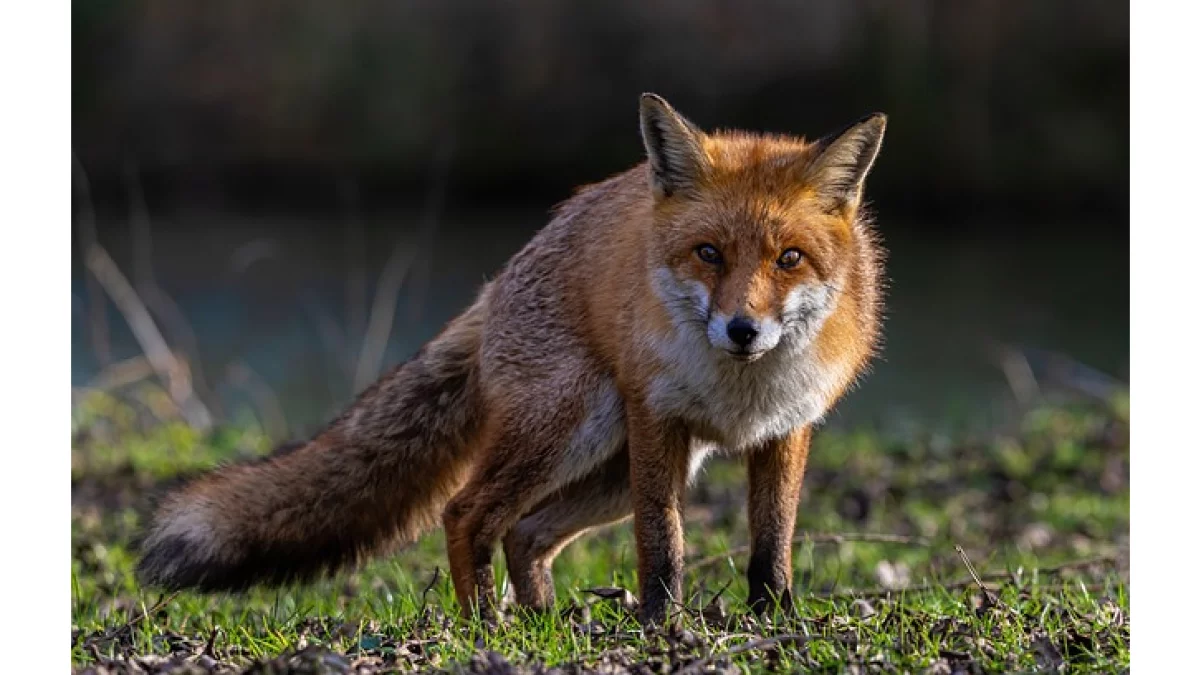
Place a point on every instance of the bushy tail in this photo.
(378, 476)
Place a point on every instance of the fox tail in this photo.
(375, 478)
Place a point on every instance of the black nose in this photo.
(742, 331)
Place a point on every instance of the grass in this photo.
(1041, 511)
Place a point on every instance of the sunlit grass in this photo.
(1022, 502)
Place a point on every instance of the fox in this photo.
(718, 298)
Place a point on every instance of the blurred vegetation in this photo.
(1001, 104)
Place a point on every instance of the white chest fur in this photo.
(742, 404)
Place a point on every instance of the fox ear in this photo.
(844, 159)
(674, 146)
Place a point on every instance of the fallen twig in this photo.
(991, 598)
(816, 538)
(699, 665)
(982, 580)
(144, 613)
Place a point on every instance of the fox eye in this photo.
(789, 259)
(709, 254)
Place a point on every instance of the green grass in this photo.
(1041, 510)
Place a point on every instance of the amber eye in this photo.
(789, 259)
(709, 254)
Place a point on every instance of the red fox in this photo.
(720, 297)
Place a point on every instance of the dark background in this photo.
(251, 167)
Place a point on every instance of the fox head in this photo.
(754, 235)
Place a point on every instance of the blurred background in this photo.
(275, 201)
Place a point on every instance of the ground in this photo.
(920, 551)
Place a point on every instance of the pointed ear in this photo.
(674, 146)
(844, 159)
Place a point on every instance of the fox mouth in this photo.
(744, 356)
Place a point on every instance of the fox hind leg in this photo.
(601, 498)
(487, 506)
(517, 472)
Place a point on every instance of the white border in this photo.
(1164, 377)
(35, 69)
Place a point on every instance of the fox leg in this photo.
(658, 468)
(599, 499)
(519, 469)
(776, 472)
